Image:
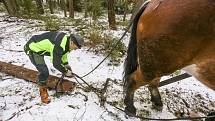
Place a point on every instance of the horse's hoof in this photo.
(212, 118)
(156, 100)
(130, 111)
(157, 103)
(157, 107)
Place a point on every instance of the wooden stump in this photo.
(31, 75)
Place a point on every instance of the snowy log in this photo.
(31, 75)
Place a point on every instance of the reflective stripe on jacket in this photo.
(53, 44)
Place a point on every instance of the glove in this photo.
(68, 67)
(69, 73)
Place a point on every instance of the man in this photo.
(57, 45)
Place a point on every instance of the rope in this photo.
(90, 86)
(79, 82)
(60, 81)
(110, 51)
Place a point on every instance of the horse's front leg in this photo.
(155, 95)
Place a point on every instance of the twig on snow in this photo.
(7, 78)
(100, 117)
(17, 113)
(103, 91)
(12, 50)
(12, 116)
(85, 97)
(5, 105)
(82, 116)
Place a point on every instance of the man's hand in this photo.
(68, 67)
(69, 73)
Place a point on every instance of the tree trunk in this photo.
(5, 4)
(71, 8)
(11, 7)
(85, 8)
(54, 4)
(111, 14)
(125, 9)
(63, 5)
(40, 6)
(17, 6)
(31, 75)
(51, 6)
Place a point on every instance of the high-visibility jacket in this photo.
(53, 44)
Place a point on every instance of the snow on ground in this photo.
(20, 101)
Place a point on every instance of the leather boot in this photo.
(44, 94)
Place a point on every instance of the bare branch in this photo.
(4, 107)
(103, 91)
(12, 50)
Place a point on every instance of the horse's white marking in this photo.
(191, 69)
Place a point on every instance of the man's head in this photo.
(76, 40)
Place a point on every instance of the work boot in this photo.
(44, 95)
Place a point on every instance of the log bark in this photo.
(31, 75)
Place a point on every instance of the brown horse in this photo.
(170, 35)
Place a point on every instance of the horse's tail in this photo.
(130, 64)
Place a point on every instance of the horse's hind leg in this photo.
(129, 102)
(134, 81)
(155, 95)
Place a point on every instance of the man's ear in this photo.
(71, 42)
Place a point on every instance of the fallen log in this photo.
(31, 75)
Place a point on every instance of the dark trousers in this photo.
(39, 63)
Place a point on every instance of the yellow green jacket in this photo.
(53, 44)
